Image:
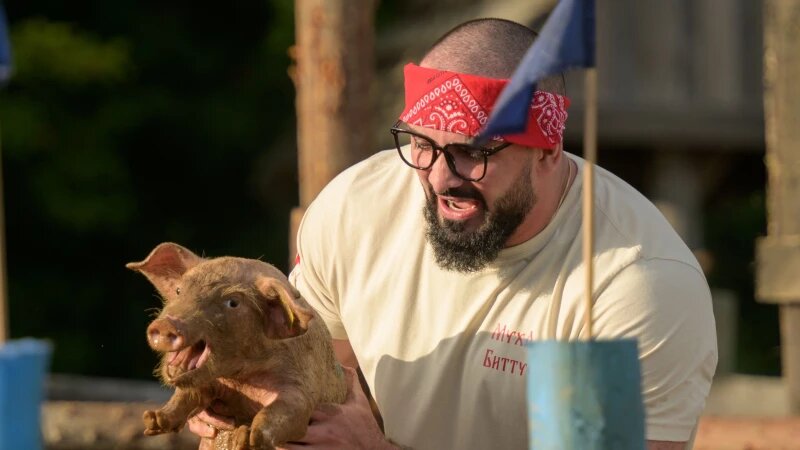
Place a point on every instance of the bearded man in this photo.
(433, 278)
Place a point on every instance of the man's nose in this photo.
(441, 177)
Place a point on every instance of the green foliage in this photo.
(56, 52)
(127, 124)
(733, 223)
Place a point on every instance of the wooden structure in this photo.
(778, 276)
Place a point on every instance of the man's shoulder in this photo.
(627, 217)
(379, 175)
(367, 198)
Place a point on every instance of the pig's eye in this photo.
(178, 290)
(231, 303)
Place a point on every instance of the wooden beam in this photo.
(333, 77)
(782, 114)
(778, 275)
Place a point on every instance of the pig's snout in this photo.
(165, 335)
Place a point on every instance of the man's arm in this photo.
(666, 305)
(344, 353)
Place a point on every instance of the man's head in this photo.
(490, 48)
(469, 221)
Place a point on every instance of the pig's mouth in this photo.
(182, 362)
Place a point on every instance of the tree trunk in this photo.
(334, 57)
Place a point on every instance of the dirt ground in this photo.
(728, 433)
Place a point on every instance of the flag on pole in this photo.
(566, 41)
(5, 48)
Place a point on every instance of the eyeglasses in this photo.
(420, 152)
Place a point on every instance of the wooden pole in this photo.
(590, 156)
(333, 76)
(778, 254)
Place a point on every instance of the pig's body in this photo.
(227, 324)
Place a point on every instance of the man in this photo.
(433, 292)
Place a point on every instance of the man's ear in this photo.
(284, 316)
(165, 266)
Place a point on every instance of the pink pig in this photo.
(228, 320)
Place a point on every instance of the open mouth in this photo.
(180, 362)
(458, 208)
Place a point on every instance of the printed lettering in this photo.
(516, 337)
(498, 332)
(503, 363)
(486, 359)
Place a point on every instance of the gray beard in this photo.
(470, 251)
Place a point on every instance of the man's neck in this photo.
(546, 206)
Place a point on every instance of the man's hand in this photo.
(350, 425)
(207, 423)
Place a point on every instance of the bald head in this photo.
(487, 47)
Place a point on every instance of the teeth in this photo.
(452, 205)
(188, 358)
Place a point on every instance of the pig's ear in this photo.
(165, 266)
(285, 316)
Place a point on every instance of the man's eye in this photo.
(422, 145)
(476, 153)
(470, 153)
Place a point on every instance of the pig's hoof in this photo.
(151, 423)
(156, 422)
(241, 438)
(261, 440)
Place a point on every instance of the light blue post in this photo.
(585, 395)
(23, 367)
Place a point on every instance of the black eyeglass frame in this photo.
(438, 149)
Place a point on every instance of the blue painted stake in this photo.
(23, 366)
(585, 395)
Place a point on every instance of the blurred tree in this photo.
(125, 125)
(735, 216)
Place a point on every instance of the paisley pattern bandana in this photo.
(461, 103)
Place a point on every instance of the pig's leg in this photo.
(284, 420)
(172, 416)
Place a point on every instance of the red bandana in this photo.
(461, 103)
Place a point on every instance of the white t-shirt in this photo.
(423, 335)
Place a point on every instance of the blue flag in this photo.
(5, 48)
(566, 41)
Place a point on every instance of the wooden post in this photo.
(590, 158)
(334, 57)
(778, 254)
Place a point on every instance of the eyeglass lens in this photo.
(466, 161)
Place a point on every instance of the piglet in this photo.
(226, 322)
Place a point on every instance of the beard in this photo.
(458, 249)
